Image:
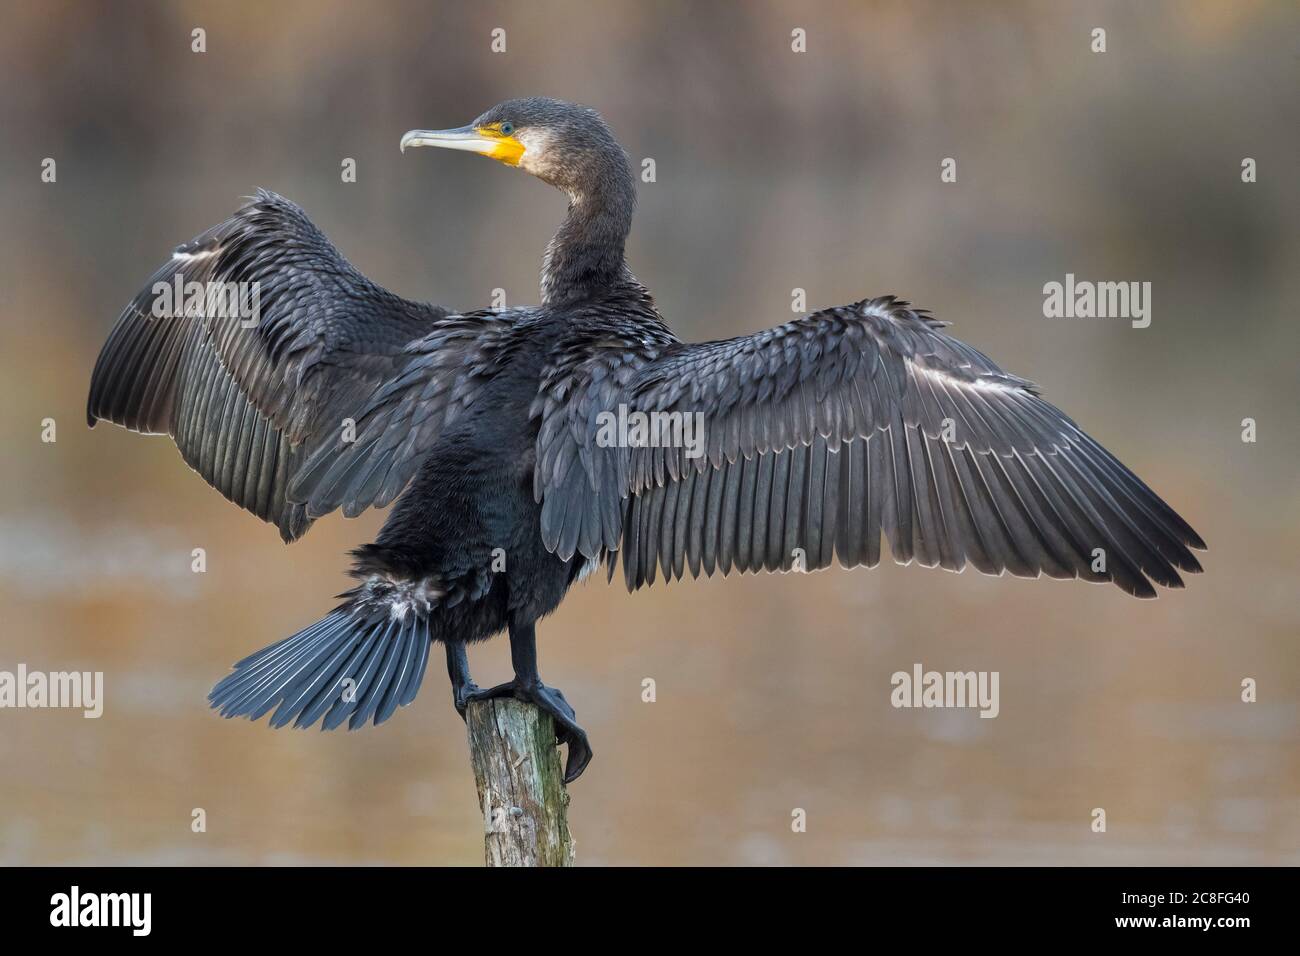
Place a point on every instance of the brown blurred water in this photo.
(775, 170)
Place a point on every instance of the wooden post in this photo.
(520, 782)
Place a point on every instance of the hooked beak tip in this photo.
(464, 138)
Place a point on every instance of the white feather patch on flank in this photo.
(402, 596)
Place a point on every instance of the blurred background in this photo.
(775, 170)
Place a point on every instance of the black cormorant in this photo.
(817, 438)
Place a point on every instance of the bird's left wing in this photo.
(782, 449)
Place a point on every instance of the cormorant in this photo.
(819, 436)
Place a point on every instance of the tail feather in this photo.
(358, 663)
(264, 673)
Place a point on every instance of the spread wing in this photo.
(823, 435)
(254, 344)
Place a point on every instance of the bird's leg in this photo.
(528, 686)
(462, 685)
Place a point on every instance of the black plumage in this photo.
(819, 438)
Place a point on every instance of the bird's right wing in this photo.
(254, 344)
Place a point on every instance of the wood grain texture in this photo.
(519, 775)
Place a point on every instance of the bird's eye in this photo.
(507, 129)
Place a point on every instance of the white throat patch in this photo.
(536, 143)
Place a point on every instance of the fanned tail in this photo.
(364, 660)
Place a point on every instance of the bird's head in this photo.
(566, 145)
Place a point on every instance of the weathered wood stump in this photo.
(520, 780)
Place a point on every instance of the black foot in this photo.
(552, 701)
(462, 695)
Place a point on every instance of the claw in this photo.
(461, 696)
(579, 756)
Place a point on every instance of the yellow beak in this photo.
(484, 140)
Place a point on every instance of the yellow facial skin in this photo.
(506, 149)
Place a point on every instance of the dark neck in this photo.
(585, 257)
